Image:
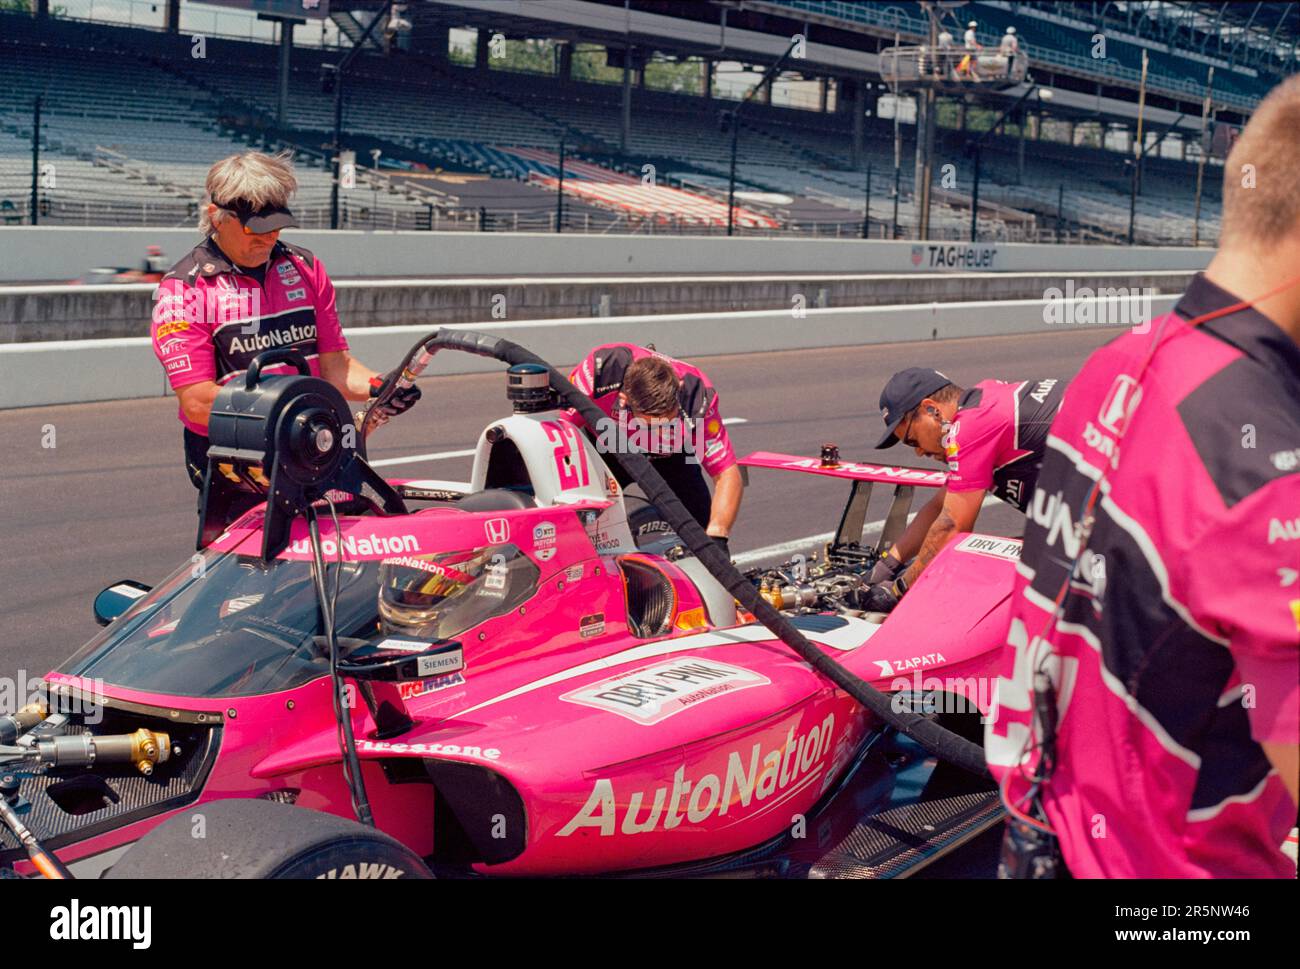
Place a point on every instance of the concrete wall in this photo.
(60, 253)
(79, 371)
(47, 313)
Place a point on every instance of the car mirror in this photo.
(117, 599)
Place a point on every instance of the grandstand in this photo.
(131, 120)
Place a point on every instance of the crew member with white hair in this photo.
(242, 291)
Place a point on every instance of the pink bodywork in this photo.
(627, 753)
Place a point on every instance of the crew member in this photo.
(992, 438)
(673, 408)
(968, 62)
(1148, 715)
(1009, 45)
(241, 292)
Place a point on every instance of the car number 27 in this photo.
(570, 456)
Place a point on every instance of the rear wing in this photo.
(886, 474)
(848, 537)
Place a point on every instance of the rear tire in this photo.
(246, 838)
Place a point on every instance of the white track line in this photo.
(786, 549)
(441, 455)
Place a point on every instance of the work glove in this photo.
(402, 401)
(886, 569)
(877, 598)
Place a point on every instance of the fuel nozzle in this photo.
(144, 749)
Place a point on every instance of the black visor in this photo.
(266, 219)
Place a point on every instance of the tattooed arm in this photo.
(960, 509)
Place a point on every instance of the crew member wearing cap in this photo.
(242, 292)
(992, 438)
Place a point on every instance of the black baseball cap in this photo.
(905, 390)
(266, 219)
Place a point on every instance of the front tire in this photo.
(246, 838)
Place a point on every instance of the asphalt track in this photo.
(110, 499)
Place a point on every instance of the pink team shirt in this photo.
(600, 377)
(211, 319)
(1178, 651)
(995, 441)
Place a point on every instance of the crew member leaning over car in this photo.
(992, 438)
(241, 292)
(632, 383)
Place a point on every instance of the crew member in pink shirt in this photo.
(242, 291)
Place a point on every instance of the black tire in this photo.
(646, 522)
(246, 838)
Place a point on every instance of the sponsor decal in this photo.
(611, 486)
(446, 661)
(1121, 400)
(1000, 548)
(365, 869)
(713, 447)
(385, 747)
(752, 776)
(403, 644)
(1042, 390)
(1101, 443)
(168, 347)
(888, 667)
(354, 545)
(275, 338)
(955, 257)
(1052, 512)
(692, 619)
(167, 329)
(494, 578)
(713, 427)
(573, 573)
(951, 448)
(1283, 531)
(903, 474)
(544, 540)
(1288, 576)
(497, 531)
(414, 688)
(1286, 460)
(295, 294)
(178, 365)
(592, 625)
(654, 693)
(1012, 487)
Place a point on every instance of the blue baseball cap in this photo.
(905, 390)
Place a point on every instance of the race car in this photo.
(528, 673)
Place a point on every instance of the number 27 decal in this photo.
(572, 470)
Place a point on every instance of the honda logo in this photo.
(1119, 404)
(497, 530)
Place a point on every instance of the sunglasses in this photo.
(239, 213)
(907, 435)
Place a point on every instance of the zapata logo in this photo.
(917, 252)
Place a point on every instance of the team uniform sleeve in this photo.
(716, 453)
(329, 332)
(1243, 581)
(580, 377)
(971, 446)
(182, 334)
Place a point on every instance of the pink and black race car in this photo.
(527, 673)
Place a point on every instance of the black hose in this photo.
(941, 742)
